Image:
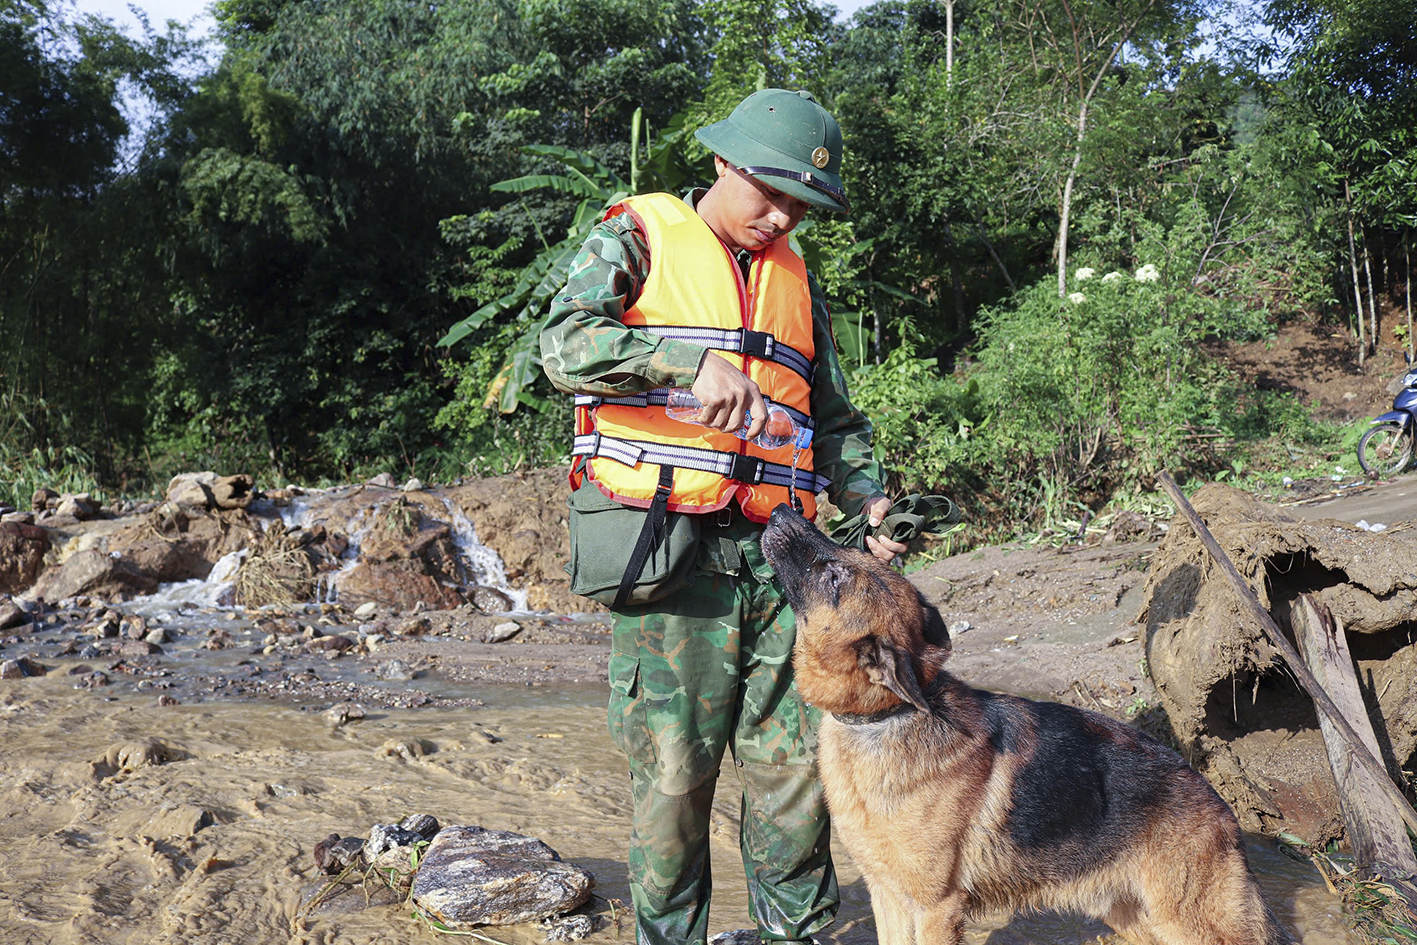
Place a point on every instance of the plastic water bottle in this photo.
(780, 430)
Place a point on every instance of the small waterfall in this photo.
(214, 590)
(481, 565)
(327, 584)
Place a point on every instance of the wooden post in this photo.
(1356, 748)
(1373, 825)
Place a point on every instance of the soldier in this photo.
(707, 293)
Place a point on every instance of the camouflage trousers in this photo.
(706, 669)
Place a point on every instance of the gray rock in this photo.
(80, 506)
(425, 825)
(335, 853)
(390, 848)
(366, 610)
(960, 626)
(489, 600)
(344, 713)
(383, 480)
(94, 679)
(385, 837)
(192, 490)
(40, 500)
(12, 615)
(345, 898)
(20, 518)
(394, 671)
(413, 485)
(22, 667)
(568, 928)
(471, 876)
(503, 631)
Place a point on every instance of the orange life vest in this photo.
(696, 292)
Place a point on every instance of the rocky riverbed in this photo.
(172, 756)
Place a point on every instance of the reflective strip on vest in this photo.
(739, 340)
(728, 465)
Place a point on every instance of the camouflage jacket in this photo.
(587, 349)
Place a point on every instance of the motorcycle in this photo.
(1386, 449)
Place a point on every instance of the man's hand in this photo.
(882, 548)
(727, 394)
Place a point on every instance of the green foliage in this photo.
(259, 281)
(489, 441)
(25, 468)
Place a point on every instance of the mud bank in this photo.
(1236, 714)
(210, 839)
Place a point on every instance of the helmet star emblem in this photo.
(821, 157)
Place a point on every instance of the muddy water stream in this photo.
(105, 838)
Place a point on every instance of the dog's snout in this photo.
(780, 515)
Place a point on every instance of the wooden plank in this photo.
(1356, 748)
(1374, 827)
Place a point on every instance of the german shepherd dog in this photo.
(955, 801)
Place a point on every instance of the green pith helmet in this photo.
(787, 141)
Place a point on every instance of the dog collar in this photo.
(852, 718)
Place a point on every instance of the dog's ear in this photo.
(933, 628)
(893, 669)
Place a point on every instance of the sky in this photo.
(158, 11)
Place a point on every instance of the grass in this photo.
(1375, 908)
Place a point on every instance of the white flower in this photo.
(1112, 276)
(1077, 298)
(1085, 273)
(1148, 273)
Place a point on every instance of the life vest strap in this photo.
(657, 398)
(755, 344)
(736, 466)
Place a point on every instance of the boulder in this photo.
(471, 876)
(233, 492)
(12, 615)
(192, 490)
(21, 668)
(95, 574)
(79, 506)
(406, 557)
(41, 499)
(22, 551)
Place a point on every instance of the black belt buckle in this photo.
(747, 469)
(723, 518)
(757, 344)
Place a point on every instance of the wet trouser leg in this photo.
(707, 669)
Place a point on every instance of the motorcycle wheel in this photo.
(1385, 450)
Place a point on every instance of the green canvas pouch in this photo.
(603, 536)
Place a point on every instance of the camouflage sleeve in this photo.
(841, 446)
(585, 347)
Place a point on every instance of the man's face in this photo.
(748, 214)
